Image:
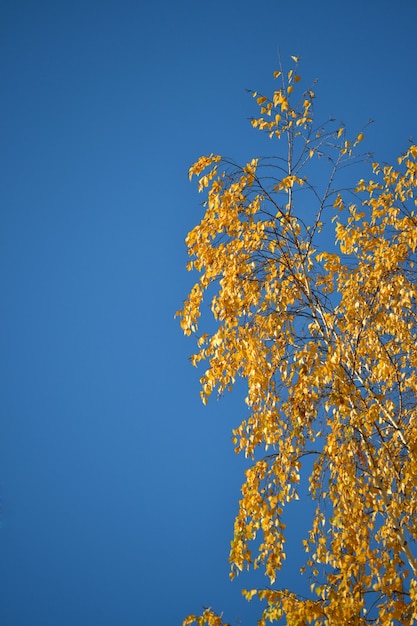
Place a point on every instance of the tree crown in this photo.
(324, 333)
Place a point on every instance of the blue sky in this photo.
(118, 488)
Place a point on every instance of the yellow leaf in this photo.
(250, 593)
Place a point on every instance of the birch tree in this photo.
(312, 290)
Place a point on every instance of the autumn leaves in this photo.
(325, 337)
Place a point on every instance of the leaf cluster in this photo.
(324, 334)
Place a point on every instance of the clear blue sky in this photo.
(118, 488)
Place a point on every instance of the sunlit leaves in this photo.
(208, 618)
(325, 338)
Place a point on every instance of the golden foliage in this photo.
(326, 341)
